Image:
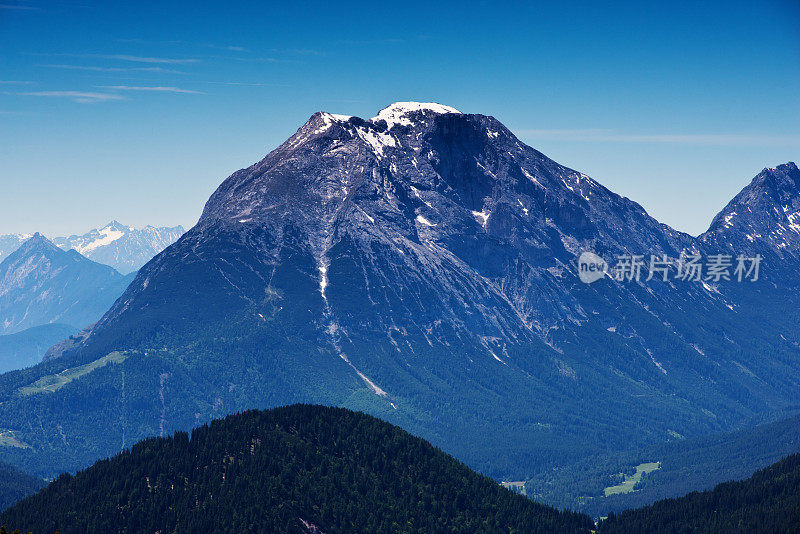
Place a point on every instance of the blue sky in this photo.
(136, 111)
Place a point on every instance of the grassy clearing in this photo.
(516, 487)
(50, 383)
(631, 480)
(8, 439)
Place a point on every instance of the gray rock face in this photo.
(426, 186)
(763, 218)
(421, 265)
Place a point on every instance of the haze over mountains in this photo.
(124, 248)
(48, 294)
(42, 284)
(30, 346)
(420, 266)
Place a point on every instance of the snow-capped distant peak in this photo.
(398, 113)
(108, 234)
(116, 225)
(123, 247)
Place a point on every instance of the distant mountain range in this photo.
(296, 469)
(41, 284)
(124, 248)
(422, 266)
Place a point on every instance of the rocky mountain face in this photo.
(42, 284)
(763, 218)
(421, 265)
(124, 248)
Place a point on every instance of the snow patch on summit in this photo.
(398, 113)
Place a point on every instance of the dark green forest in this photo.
(768, 501)
(291, 469)
(686, 465)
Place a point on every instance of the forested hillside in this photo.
(15, 484)
(769, 501)
(301, 468)
(684, 465)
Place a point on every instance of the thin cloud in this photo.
(612, 136)
(143, 59)
(76, 96)
(92, 68)
(158, 89)
(248, 84)
(227, 48)
(126, 57)
(260, 59)
(18, 7)
(230, 48)
(391, 40)
(296, 51)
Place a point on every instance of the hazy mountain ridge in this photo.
(28, 347)
(15, 485)
(123, 247)
(42, 284)
(11, 242)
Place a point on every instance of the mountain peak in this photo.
(123, 247)
(764, 216)
(784, 178)
(398, 113)
(778, 185)
(788, 166)
(37, 242)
